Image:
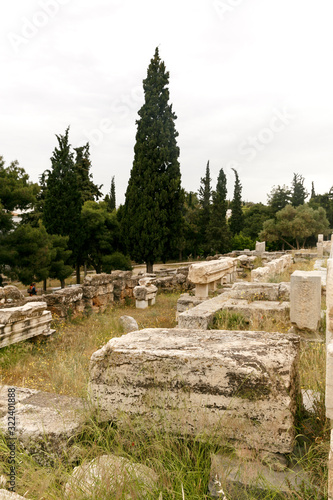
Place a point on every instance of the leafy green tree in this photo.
(236, 220)
(110, 198)
(255, 214)
(152, 215)
(278, 198)
(326, 202)
(298, 191)
(16, 192)
(295, 225)
(218, 230)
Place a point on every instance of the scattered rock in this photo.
(114, 475)
(128, 323)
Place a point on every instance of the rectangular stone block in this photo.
(241, 386)
(305, 299)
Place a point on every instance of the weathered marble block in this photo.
(23, 322)
(305, 299)
(241, 386)
(205, 275)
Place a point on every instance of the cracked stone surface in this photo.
(241, 385)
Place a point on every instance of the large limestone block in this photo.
(329, 300)
(305, 299)
(239, 385)
(44, 422)
(8, 495)
(260, 291)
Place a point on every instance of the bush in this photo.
(240, 242)
(117, 260)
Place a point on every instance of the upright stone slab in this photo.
(305, 299)
(260, 247)
(237, 385)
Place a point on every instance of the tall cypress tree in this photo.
(236, 219)
(205, 195)
(89, 190)
(110, 198)
(152, 216)
(63, 199)
(218, 231)
(298, 192)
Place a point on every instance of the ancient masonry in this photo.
(242, 386)
(23, 322)
(270, 268)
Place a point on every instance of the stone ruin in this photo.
(241, 385)
(271, 268)
(24, 322)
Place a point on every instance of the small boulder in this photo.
(128, 323)
(115, 475)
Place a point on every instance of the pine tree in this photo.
(236, 219)
(218, 231)
(204, 195)
(152, 217)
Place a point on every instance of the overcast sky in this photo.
(250, 82)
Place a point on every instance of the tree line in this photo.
(66, 224)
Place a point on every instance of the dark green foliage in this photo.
(294, 225)
(86, 186)
(118, 261)
(63, 199)
(298, 192)
(326, 202)
(110, 198)
(254, 218)
(28, 251)
(16, 192)
(313, 193)
(241, 242)
(236, 220)
(100, 233)
(278, 198)
(59, 268)
(205, 195)
(152, 215)
(218, 231)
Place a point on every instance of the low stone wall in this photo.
(24, 322)
(273, 267)
(241, 386)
